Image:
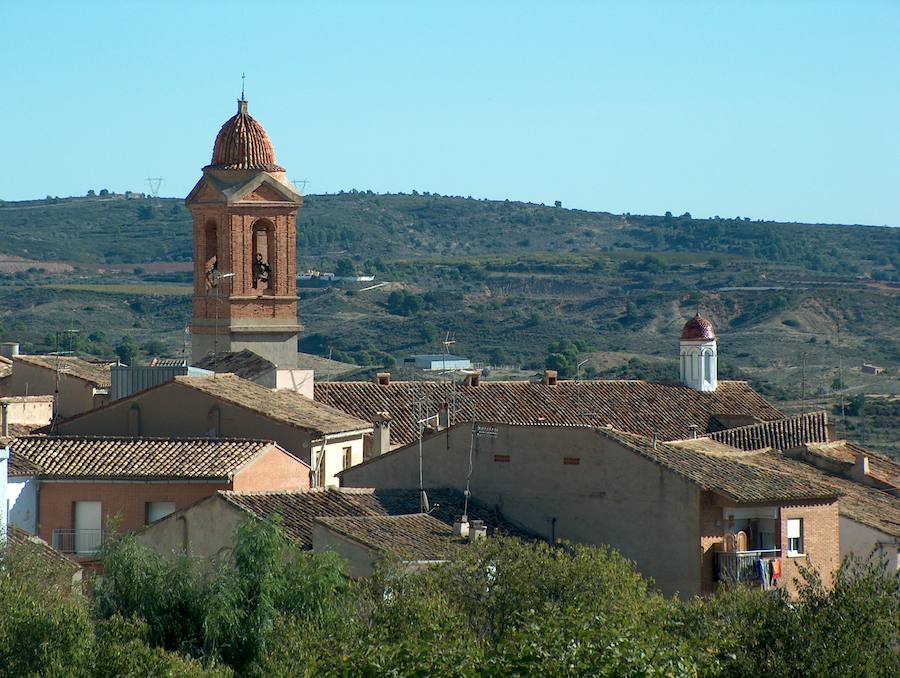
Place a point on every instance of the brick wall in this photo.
(125, 500)
(821, 541)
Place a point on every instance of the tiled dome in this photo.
(242, 144)
(698, 329)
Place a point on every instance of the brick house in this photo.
(682, 510)
(326, 439)
(83, 483)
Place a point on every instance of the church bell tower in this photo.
(245, 254)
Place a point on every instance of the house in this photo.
(82, 483)
(677, 509)
(248, 365)
(869, 483)
(83, 385)
(326, 439)
(207, 527)
(869, 368)
(432, 362)
(26, 412)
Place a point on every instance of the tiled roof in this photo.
(96, 457)
(5, 367)
(285, 406)
(245, 364)
(22, 539)
(17, 431)
(725, 470)
(641, 407)
(300, 509)
(697, 328)
(97, 374)
(843, 453)
(780, 434)
(242, 143)
(859, 502)
(417, 536)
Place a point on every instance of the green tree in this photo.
(128, 350)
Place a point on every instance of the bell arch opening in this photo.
(262, 259)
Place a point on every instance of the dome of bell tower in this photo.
(242, 144)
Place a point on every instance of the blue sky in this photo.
(776, 110)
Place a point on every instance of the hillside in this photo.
(792, 303)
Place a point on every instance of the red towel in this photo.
(776, 568)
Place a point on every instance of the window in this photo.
(262, 263)
(795, 536)
(707, 366)
(88, 524)
(348, 457)
(158, 509)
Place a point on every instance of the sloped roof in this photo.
(725, 470)
(417, 536)
(285, 406)
(97, 374)
(100, 457)
(843, 454)
(641, 407)
(22, 539)
(243, 144)
(780, 434)
(859, 502)
(245, 364)
(300, 509)
(5, 367)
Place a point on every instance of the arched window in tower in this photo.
(262, 272)
(707, 365)
(211, 253)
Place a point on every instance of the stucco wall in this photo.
(860, 540)
(173, 410)
(204, 529)
(21, 502)
(334, 455)
(360, 559)
(610, 495)
(272, 471)
(36, 411)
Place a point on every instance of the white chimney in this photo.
(861, 466)
(381, 433)
(461, 528)
(477, 530)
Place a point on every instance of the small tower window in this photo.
(707, 365)
(261, 264)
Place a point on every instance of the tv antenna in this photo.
(154, 183)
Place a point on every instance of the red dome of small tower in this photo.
(242, 144)
(698, 329)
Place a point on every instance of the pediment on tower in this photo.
(262, 188)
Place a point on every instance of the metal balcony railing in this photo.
(79, 542)
(740, 566)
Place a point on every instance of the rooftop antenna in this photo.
(154, 183)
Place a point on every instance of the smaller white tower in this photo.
(698, 355)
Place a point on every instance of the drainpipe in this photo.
(4, 421)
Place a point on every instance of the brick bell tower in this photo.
(245, 252)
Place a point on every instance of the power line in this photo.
(154, 183)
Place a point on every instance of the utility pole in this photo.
(56, 399)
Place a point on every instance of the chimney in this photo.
(4, 421)
(381, 435)
(9, 349)
(477, 530)
(860, 466)
(549, 378)
(693, 430)
(472, 379)
(383, 378)
(461, 528)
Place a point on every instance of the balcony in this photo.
(741, 566)
(78, 542)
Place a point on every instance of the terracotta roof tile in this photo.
(859, 502)
(726, 470)
(245, 364)
(243, 144)
(282, 405)
(21, 539)
(640, 407)
(843, 454)
(97, 374)
(97, 457)
(780, 434)
(300, 509)
(417, 536)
